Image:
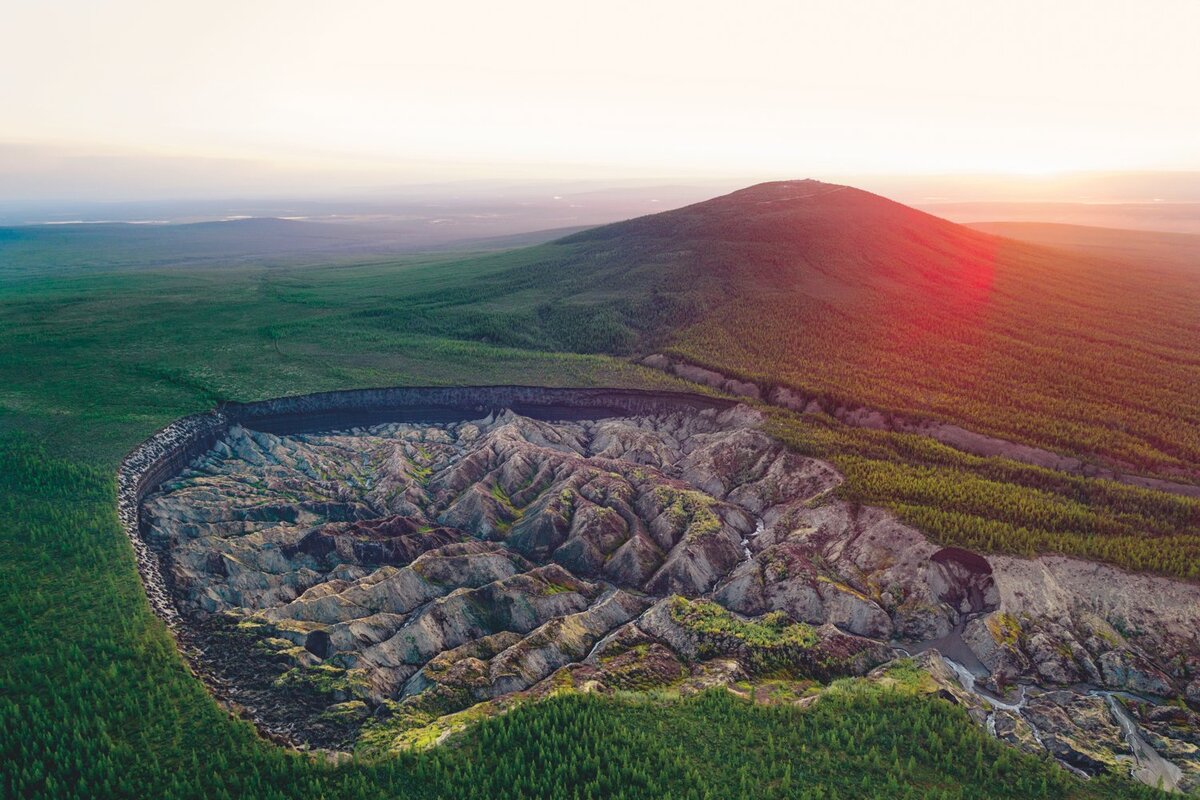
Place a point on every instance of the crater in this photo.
(412, 569)
(372, 570)
(391, 574)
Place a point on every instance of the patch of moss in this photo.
(323, 679)
(349, 711)
(771, 630)
(638, 650)
(274, 644)
(550, 587)
(1005, 629)
(502, 497)
(904, 674)
(843, 587)
(409, 729)
(1107, 634)
(513, 513)
(689, 511)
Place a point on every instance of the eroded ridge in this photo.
(378, 586)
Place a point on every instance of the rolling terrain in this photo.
(79, 248)
(1162, 250)
(840, 293)
(1181, 215)
(829, 290)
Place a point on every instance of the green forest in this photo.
(96, 702)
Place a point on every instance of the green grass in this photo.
(93, 364)
(711, 619)
(771, 646)
(94, 699)
(689, 511)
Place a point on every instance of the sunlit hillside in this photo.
(845, 294)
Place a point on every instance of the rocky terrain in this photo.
(377, 587)
(948, 434)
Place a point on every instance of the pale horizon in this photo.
(133, 100)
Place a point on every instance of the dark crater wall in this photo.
(167, 452)
(365, 407)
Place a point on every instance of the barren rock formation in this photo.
(393, 575)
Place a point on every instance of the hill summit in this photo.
(808, 236)
(840, 293)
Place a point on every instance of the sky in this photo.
(127, 98)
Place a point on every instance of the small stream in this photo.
(1149, 767)
(759, 527)
(966, 679)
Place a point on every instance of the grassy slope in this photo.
(869, 302)
(994, 505)
(94, 701)
(1160, 249)
(133, 350)
(1091, 350)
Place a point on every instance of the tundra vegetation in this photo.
(96, 702)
